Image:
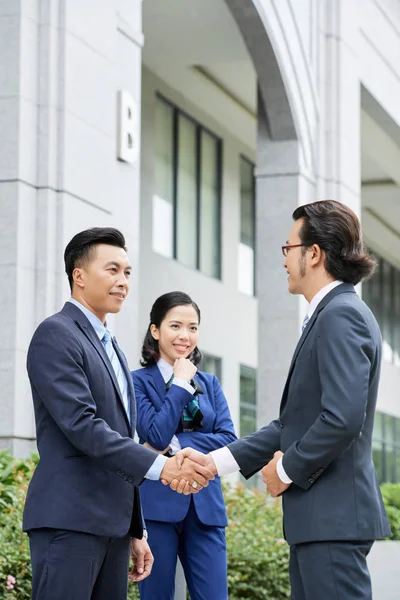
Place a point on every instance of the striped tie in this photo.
(306, 319)
(116, 365)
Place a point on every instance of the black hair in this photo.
(336, 229)
(80, 248)
(159, 310)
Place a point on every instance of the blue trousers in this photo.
(330, 571)
(70, 565)
(202, 552)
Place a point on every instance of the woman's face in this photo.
(178, 333)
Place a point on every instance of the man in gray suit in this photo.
(317, 454)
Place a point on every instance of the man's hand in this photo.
(142, 560)
(198, 457)
(188, 476)
(180, 485)
(275, 486)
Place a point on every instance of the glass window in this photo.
(209, 206)
(246, 265)
(248, 407)
(212, 364)
(187, 200)
(386, 447)
(382, 294)
(163, 199)
(186, 206)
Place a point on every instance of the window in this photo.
(212, 364)
(246, 267)
(386, 447)
(382, 294)
(248, 407)
(187, 199)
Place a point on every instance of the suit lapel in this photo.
(131, 391)
(156, 381)
(340, 289)
(84, 325)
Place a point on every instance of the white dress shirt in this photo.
(167, 371)
(223, 458)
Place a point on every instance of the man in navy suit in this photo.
(318, 453)
(82, 511)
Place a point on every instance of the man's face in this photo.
(296, 262)
(102, 283)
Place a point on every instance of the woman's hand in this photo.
(184, 369)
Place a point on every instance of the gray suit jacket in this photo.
(325, 427)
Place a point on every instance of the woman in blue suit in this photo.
(177, 407)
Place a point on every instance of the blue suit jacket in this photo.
(158, 419)
(89, 467)
(325, 427)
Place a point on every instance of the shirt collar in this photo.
(166, 369)
(95, 322)
(320, 295)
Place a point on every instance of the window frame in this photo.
(200, 128)
(243, 157)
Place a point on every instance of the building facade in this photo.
(238, 111)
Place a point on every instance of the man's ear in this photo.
(78, 278)
(317, 254)
(154, 332)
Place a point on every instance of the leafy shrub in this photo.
(391, 498)
(14, 548)
(257, 554)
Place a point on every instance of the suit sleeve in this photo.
(223, 430)
(345, 352)
(158, 427)
(57, 373)
(254, 451)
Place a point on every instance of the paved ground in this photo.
(384, 564)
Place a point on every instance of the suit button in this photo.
(130, 479)
(119, 473)
(311, 480)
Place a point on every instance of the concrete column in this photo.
(59, 171)
(279, 187)
(18, 163)
(339, 85)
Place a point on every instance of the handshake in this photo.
(188, 472)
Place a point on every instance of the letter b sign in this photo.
(128, 134)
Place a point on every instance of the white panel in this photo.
(246, 269)
(162, 226)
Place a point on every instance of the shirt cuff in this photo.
(154, 472)
(224, 461)
(184, 384)
(174, 445)
(281, 472)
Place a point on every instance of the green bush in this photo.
(14, 549)
(391, 498)
(257, 554)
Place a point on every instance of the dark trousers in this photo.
(330, 571)
(69, 565)
(202, 552)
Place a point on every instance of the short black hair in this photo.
(81, 247)
(336, 229)
(159, 310)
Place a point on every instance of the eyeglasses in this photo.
(285, 249)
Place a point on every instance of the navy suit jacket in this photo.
(158, 419)
(89, 467)
(325, 427)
